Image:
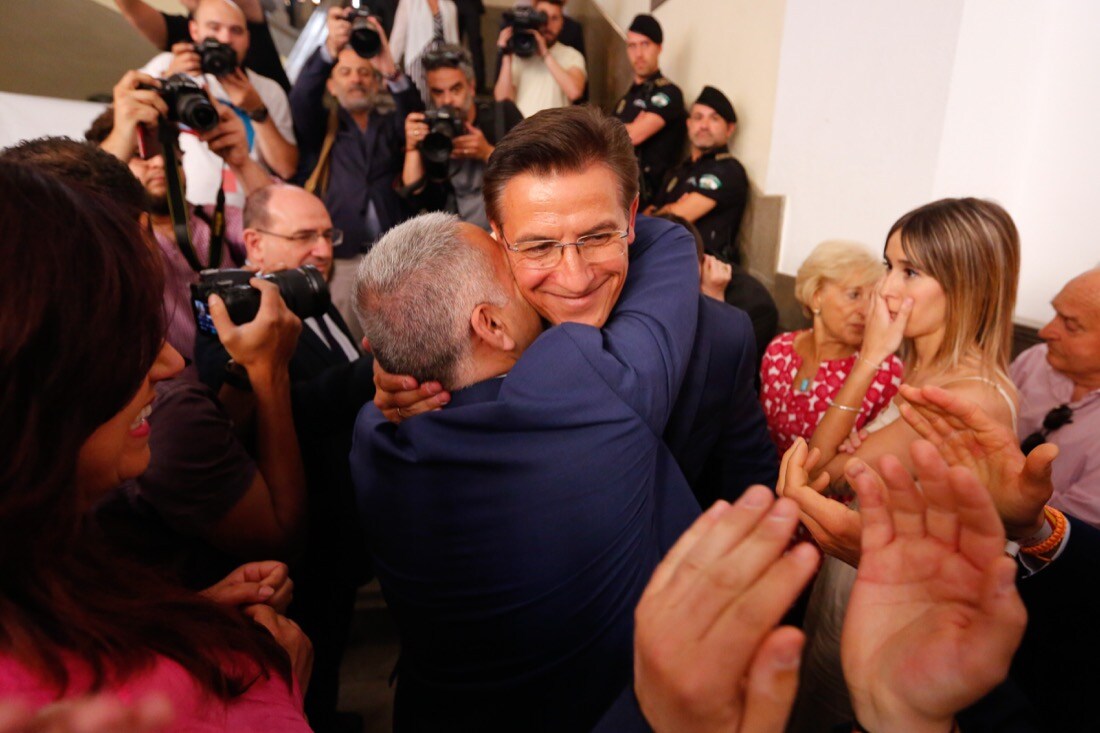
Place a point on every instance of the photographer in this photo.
(165, 30)
(454, 183)
(351, 153)
(545, 75)
(117, 131)
(287, 228)
(220, 28)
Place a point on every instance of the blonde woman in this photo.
(802, 371)
(946, 301)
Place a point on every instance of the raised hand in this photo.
(707, 653)
(934, 617)
(399, 396)
(883, 333)
(965, 436)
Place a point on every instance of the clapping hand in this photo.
(934, 617)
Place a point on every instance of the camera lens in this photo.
(365, 41)
(197, 113)
(304, 290)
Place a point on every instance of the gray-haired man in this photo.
(454, 183)
(513, 531)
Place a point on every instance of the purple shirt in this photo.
(1076, 473)
(178, 275)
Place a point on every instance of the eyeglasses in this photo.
(334, 236)
(1056, 418)
(547, 253)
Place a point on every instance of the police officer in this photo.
(453, 184)
(653, 108)
(710, 187)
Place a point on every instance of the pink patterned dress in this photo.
(793, 411)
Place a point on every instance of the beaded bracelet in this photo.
(869, 363)
(1058, 522)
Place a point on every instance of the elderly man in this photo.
(453, 182)
(709, 188)
(1059, 383)
(514, 530)
(652, 108)
(717, 431)
(352, 154)
(259, 101)
(553, 76)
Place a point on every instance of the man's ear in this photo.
(489, 327)
(632, 216)
(328, 87)
(193, 28)
(729, 135)
(252, 247)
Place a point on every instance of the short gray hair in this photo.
(414, 293)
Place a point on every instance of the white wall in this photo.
(863, 89)
(882, 106)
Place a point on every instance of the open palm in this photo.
(934, 617)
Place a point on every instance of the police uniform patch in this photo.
(660, 99)
(710, 182)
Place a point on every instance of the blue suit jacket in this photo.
(514, 531)
(718, 432)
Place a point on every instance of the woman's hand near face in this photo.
(883, 334)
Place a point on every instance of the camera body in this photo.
(365, 40)
(218, 58)
(187, 103)
(444, 125)
(525, 21)
(304, 291)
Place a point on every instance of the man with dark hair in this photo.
(717, 431)
(653, 108)
(351, 153)
(710, 188)
(453, 184)
(137, 112)
(554, 76)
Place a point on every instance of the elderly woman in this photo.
(802, 371)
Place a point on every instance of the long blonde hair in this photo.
(971, 247)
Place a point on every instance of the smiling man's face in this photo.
(565, 207)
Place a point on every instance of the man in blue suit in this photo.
(513, 531)
(717, 431)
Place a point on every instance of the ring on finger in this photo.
(401, 412)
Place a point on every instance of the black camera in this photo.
(218, 58)
(525, 22)
(187, 103)
(444, 125)
(365, 40)
(303, 290)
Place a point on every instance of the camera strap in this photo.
(177, 206)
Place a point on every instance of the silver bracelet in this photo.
(846, 408)
(869, 363)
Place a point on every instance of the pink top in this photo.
(794, 413)
(267, 706)
(1076, 473)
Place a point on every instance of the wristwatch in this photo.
(258, 115)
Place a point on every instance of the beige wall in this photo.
(66, 48)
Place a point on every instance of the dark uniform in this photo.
(660, 152)
(718, 176)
